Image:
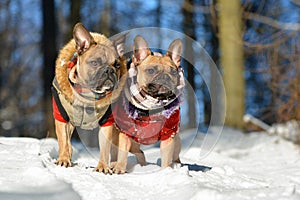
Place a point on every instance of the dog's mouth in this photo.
(106, 87)
(105, 83)
(160, 91)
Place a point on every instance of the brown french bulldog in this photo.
(87, 81)
(148, 111)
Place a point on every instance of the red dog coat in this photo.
(146, 129)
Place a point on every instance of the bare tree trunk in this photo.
(105, 19)
(296, 85)
(74, 16)
(210, 27)
(230, 29)
(158, 11)
(189, 29)
(49, 55)
(158, 22)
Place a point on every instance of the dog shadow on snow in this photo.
(191, 167)
(196, 168)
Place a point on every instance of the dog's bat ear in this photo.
(82, 38)
(119, 44)
(174, 51)
(141, 48)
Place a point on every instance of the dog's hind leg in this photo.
(114, 147)
(136, 150)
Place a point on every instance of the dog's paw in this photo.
(101, 167)
(176, 165)
(64, 162)
(113, 164)
(118, 168)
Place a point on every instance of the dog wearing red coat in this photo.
(148, 111)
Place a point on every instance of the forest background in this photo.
(254, 43)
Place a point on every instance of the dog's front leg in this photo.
(64, 132)
(177, 149)
(167, 151)
(105, 140)
(124, 146)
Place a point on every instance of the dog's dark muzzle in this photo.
(106, 80)
(162, 87)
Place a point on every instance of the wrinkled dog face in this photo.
(157, 78)
(157, 75)
(98, 67)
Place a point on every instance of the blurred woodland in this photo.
(254, 43)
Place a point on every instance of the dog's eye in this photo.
(94, 63)
(150, 71)
(173, 72)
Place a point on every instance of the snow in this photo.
(241, 166)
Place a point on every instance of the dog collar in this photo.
(135, 112)
(73, 61)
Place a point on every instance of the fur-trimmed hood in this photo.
(62, 74)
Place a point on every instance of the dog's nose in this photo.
(165, 77)
(109, 70)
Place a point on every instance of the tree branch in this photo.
(195, 8)
(296, 2)
(271, 22)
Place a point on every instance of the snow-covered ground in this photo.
(241, 166)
